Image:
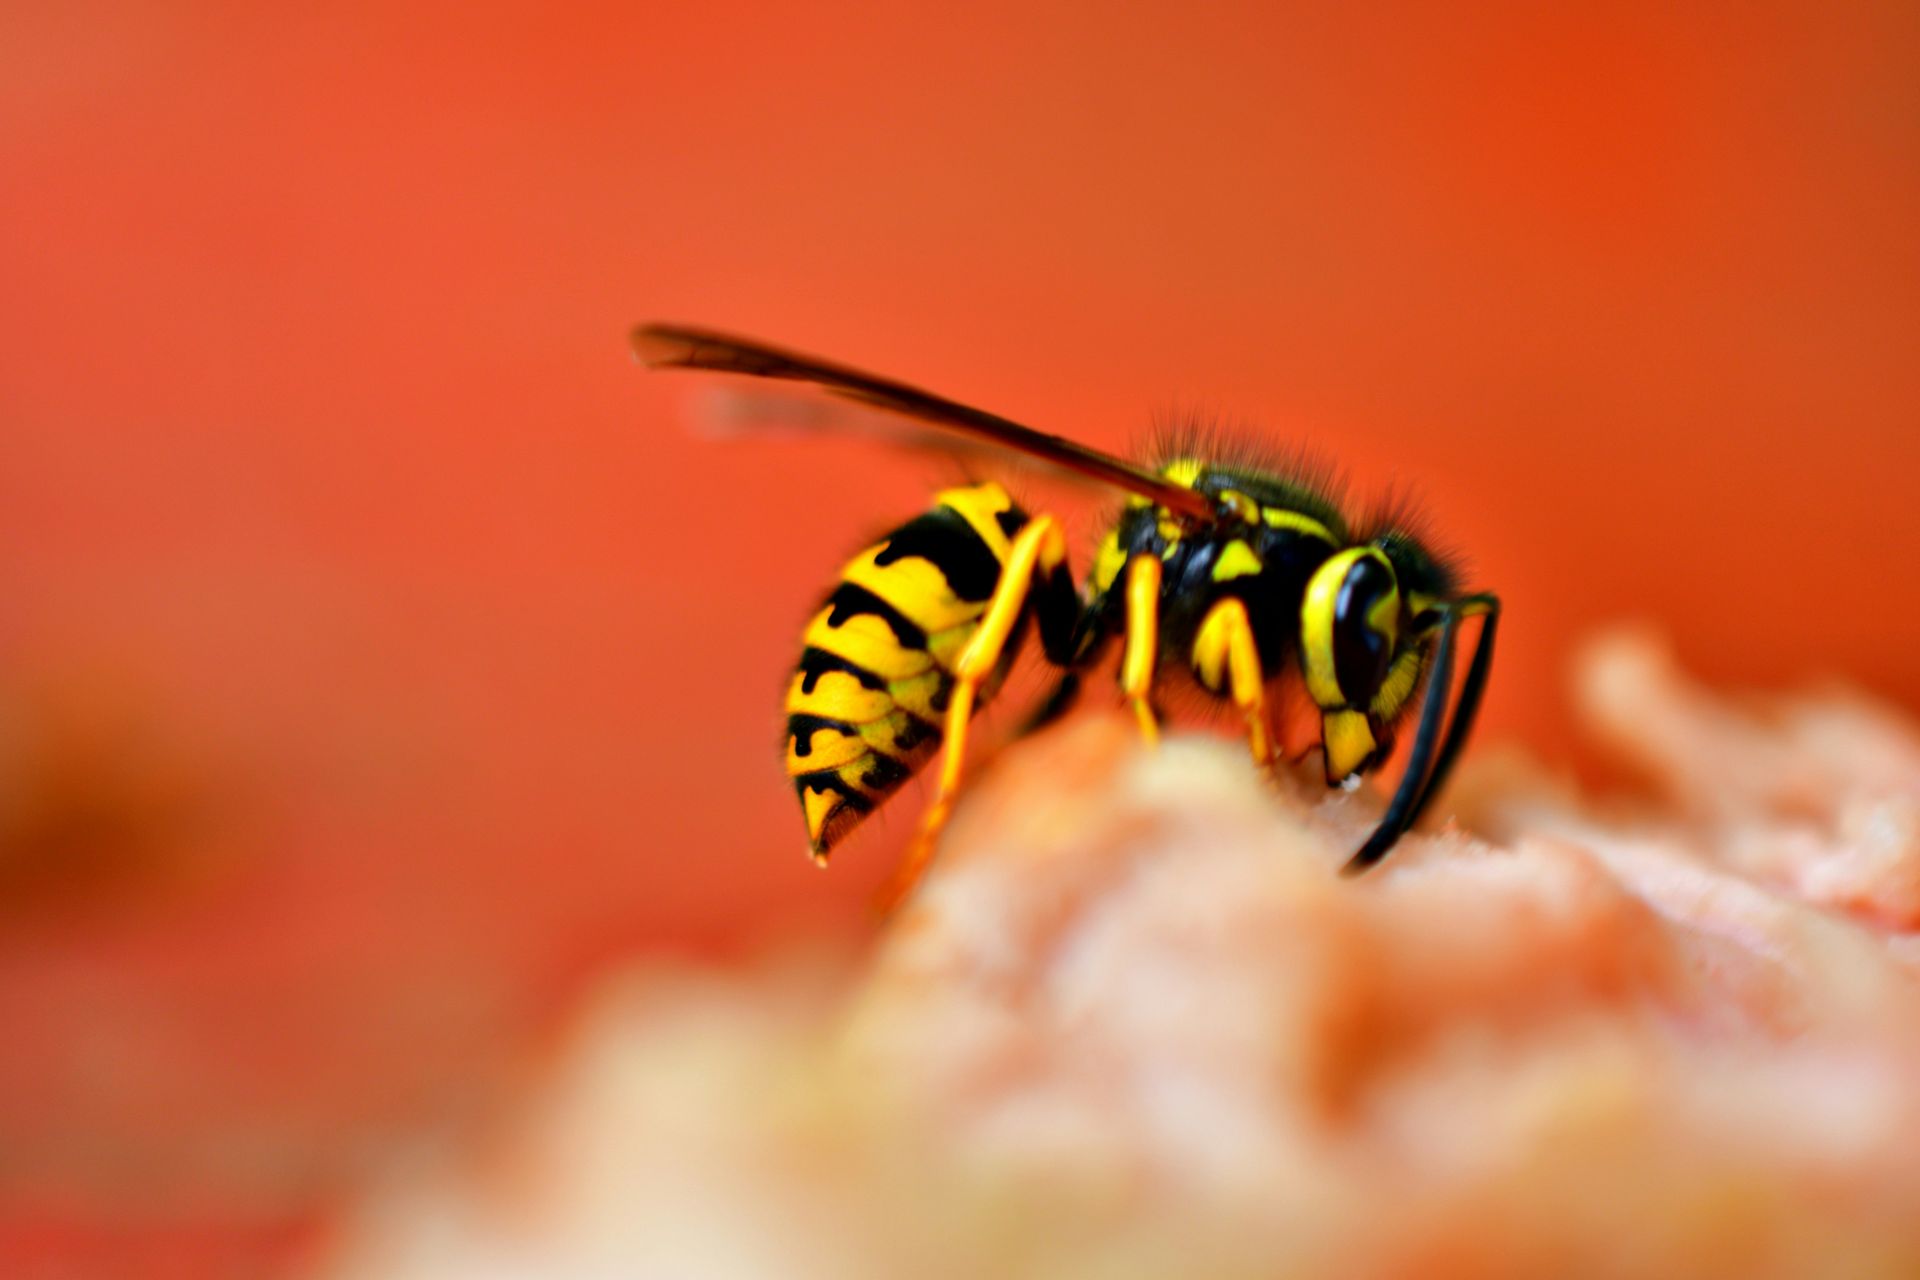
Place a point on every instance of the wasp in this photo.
(1227, 575)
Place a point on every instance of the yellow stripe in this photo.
(979, 504)
(837, 695)
(886, 734)
(860, 775)
(1281, 518)
(827, 749)
(1237, 561)
(867, 641)
(917, 695)
(915, 587)
(854, 772)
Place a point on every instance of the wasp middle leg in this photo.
(1225, 657)
(1143, 642)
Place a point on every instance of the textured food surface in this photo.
(1135, 1024)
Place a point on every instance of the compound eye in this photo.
(1366, 619)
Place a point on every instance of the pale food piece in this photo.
(1136, 1025)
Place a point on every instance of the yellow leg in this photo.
(1143, 639)
(1038, 547)
(1224, 654)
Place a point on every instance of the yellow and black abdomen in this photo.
(866, 702)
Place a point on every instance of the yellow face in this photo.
(1350, 623)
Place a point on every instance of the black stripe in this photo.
(849, 599)
(801, 729)
(917, 733)
(815, 663)
(884, 774)
(944, 539)
(827, 780)
(1011, 521)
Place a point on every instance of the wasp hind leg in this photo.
(1036, 571)
(1225, 657)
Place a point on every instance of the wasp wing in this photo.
(663, 346)
(734, 410)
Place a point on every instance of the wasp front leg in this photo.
(1035, 576)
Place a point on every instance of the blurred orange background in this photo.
(381, 654)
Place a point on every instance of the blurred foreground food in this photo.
(1135, 1025)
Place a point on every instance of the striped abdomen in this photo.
(865, 706)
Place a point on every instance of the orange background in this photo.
(382, 652)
